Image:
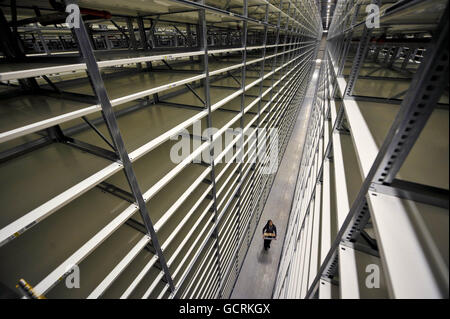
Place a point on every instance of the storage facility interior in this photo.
(139, 141)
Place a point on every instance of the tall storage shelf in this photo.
(92, 118)
(370, 215)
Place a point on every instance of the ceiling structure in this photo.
(326, 9)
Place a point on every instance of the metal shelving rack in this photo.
(79, 106)
(372, 191)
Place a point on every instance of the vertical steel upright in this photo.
(203, 37)
(111, 122)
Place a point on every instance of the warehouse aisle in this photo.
(258, 273)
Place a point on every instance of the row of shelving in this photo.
(15, 71)
(250, 194)
(129, 212)
(376, 241)
(157, 223)
(57, 111)
(155, 18)
(193, 206)
(302, 210)
(137, 150)
(327, 185)
(183, 180)
(401, 245)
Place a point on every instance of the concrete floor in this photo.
(259, 270)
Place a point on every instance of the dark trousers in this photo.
(267, 243)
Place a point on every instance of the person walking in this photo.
(269, 228)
